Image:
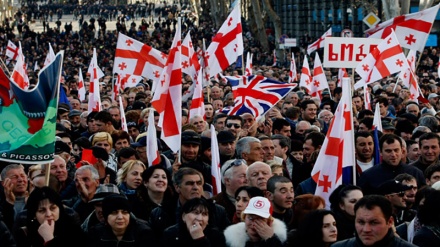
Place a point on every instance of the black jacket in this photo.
(138, 234)
(372, 178)
(178, 236)
(389, 241)
(427, 236)
(165, 216)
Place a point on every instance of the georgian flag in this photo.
(226, 45)
(411, 30)
(11, 51)
(19, 74)
(167, 99)
(190, 62)
(94, 94)
(293, 76)
(320, 43)
(197, 104)
(306, 77)
(135, 58)
(81, 86)
(383, 61)
(337, 152)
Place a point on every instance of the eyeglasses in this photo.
(229, 125)
(236, 162)
(399, 194)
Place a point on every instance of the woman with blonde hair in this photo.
(107, 165)
(129, 177)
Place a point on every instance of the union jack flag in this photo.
(256, 94)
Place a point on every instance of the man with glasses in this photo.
(395, 192)
(233, 177)
(234, 124)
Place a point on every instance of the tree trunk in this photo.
(425, 4)
(261, 31)
(276, 21)
(404, 4)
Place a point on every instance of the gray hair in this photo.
(93, 171)
(430, 122)
(248, 175)
(322, 113)
(227, 168)
(178, 176)
(10, 167)
(422, 129)
(56, 156)
(243, 145)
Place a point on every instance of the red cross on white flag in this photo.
(227, 44)
(318, 81)
(412, 30)
(215, 163)
(190, 62)
(337, 151)
(19, 74)
(94, 93)
(306, 77)
(167, 99)
(293, 76)
(320, 43)
(11, 51)
(132, 57)
(197, 103)
(81, 86)
(383, 61)
(152, 148)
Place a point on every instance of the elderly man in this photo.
(14, 182)
(86, 182)
(249, 148)
(257, 175)
(188, 183)
(233, 177)
(58, 168)
(199, 123)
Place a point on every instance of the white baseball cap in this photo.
(259, 206)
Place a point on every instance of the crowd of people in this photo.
(102, 191)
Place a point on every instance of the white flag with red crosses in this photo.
(190, 62)
(81, 86)
(293, 76)
(383, 61)
(412, 30)
(133, 57)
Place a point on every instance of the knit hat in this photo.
(113, 203)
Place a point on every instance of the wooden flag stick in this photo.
(47, 174)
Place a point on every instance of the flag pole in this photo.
(47, 174)
(5, 67)
(243, 65)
